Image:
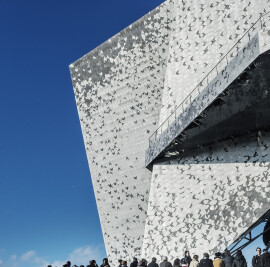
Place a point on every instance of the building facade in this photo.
(127, 87)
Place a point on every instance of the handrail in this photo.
(155, 134)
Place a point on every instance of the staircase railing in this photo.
(259, 24)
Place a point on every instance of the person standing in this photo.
(265, 258)
(165, 262)
(228, 259)
(218, 262)
(195, 261)
(153, 263)
(134, 263)
(206, 262)
(105, 263)
(176, 263)
(187, 257)
(239, 260)
(68, 264)
(256, 260)
(142, 263)
(92, 263)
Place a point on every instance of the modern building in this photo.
(175, 115)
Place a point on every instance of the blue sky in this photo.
(47, 206)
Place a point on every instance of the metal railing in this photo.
(259, 24)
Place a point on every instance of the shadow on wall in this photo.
(250, 148)
(243, 108)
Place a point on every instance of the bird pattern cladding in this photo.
(201, 33)
(203, 202)
(238, 62)
(118, 93)
(129, 84)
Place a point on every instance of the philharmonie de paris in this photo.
(175, 116)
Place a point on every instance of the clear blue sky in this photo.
(47, 206)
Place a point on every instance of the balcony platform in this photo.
(235, 102)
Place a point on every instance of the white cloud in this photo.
(28, 255)
(84, 254)
(39, 261)
(55, 263)
(78, 256)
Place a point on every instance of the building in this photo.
(175, 118)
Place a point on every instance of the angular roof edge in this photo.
(117, 36)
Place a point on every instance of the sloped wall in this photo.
(118, 93)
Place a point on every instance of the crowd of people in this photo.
(220, 260)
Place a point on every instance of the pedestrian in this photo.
(68, 264)
(153, 263)
(239, 260)
(256, 260)
(134, 262)
(205, 261)
(142, 263)
(165, 262)
(265, 258)
(120, 262)
(228, 259)
(195, 261)
(176, 263)
(218, 262)
(92, 263)
(105, 263)
(187, 257)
